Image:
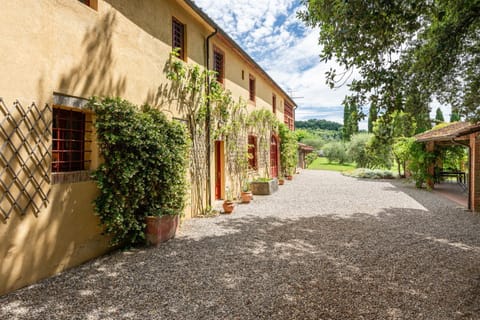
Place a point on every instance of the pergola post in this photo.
(430, 147)
(474, 174)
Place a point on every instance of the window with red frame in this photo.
(252, 152)
(274, 104)
(68, 145)
(178, 37)
(219, 65)
(289, 117)
(251, 88)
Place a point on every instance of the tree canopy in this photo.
(406, 52)
(316, 124)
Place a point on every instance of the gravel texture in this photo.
(324, 246)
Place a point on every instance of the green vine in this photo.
(144, 167)
(263, 123)
(288, 150)
(196, 90)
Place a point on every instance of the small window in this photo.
(178, 38)
(251, 88)
(243, 74)
(274, 104)
(68, 145)
(252, 152)
(91, 3)
(219, 65)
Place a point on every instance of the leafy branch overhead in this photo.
(406, 51)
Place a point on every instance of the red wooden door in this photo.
(218, 170)
(273, 157)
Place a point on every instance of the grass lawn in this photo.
(321, 163)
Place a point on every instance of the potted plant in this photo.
(246, 194)
(228, 204)
(281, 180)
(161, 227)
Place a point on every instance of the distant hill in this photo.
(318, 124)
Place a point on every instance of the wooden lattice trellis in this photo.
(25, 158)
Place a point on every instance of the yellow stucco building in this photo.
(55, 55)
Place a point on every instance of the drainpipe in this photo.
(207, 117)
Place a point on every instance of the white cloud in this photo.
(270, 32)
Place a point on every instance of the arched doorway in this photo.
(273, 157)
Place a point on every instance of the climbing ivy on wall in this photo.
(288, 150)
(144, 167)
(263, 123)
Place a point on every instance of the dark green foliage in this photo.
(144, 167)
(419, 161)
(315, 124)
(439, 116)
(455, 116)
(352, 114)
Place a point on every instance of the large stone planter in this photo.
(264, 187)
(160, 229)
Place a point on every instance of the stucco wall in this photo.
(121, 49)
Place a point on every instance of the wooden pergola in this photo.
(467, 135)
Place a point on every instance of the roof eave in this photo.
(215, 26)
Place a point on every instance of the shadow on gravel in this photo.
(401, 264)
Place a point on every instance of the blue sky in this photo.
(270, 32)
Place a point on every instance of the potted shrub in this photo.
(161, 228)
(246, 194)
(281, 180)
(228, 204)
(138, 178)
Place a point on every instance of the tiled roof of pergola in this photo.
(448, 132)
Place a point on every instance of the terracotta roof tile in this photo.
(446, 132)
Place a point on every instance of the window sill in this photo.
(71, 177)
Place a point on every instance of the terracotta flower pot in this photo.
(246, 196)
(161, 229)
(281, 182)
(289, 177)
(228, 206)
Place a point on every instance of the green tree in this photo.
(357, 149)
(318, 124)
(402, 47)
(351, 117)
(335, 151)
(439, 116)
(372, 115)
(288, 149)
(401, 152)
(455, 116)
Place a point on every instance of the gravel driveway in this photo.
(324, 247)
